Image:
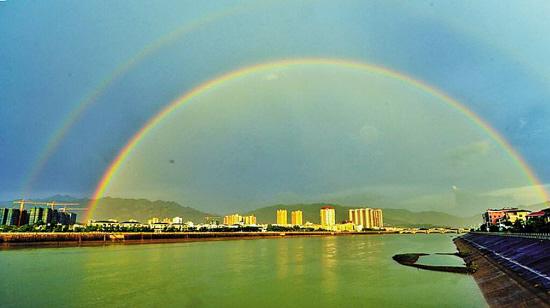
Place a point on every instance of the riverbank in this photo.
(22, 240)
(501, 286)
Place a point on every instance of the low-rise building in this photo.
(132, 223)
(497, 217)
(492, 216)
(110, 223)
(542, 215)
(513, 215)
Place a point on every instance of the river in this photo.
(338, 271)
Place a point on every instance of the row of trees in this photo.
(534, 225)
(40, 227)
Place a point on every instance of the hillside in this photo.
(392, 217)
(124, 209)
(143, 209)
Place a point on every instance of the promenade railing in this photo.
(540, 236)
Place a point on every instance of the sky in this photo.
(98, 71)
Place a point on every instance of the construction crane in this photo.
(51, 204)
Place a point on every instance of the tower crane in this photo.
(51, 204)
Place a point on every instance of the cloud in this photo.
(369, 134)
(467, 153)
(272, 76)
(525, 195)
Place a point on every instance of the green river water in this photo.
(338, 271)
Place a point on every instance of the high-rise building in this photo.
(249, 220)
(296, 218)
(376, 218)
(282, 217)
(232, 219)
(3, 216)
(12, 217)
(366, 217)
(47, 215)
(35, 215)
(328, 216)
(360, 217)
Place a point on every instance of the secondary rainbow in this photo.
(203, 88)
(60, 133)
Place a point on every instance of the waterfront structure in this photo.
(346, 226)
(360, 217)
(367, 218)
(13, 217)
(249, 220)
(296, 218)
(177, 220)
(516, 214)
(328, 216)
(3, 216)
(132, 223)
(35, 215)
(493, 217)
(376, 218)
(153, 220)
(110, 223)
(282, 217)
(232, 219)
(542, 215)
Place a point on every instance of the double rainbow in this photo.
(212, 84)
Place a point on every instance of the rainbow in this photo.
(60, 133)
(207, 86)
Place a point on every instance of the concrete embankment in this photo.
(510, 271)
(10, 240)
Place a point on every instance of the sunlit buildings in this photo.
(236, 219)
(177, 220)
(249, 220)
(366, 217)
(328, 216)
(153, 220)
(296, 218)
(493, 217)
(3, 216)
(376, 218)
(516, 214)
(232, 219)
(13, 217)
(282, 217)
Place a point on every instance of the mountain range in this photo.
(143, 209)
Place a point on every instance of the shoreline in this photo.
(88, 239)
(500, 286)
